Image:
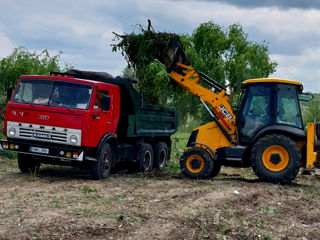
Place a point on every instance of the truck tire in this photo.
(196, 163)
(102, 167)
(27, 163)
(145, 158)
(275, 158)
(160, 156)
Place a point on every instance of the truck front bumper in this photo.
(62, 152)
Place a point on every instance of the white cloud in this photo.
(303, 68)
(6, 45)
(83, 30)
(283, 24)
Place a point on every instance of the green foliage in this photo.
(179, 142)
(154, 84)
(23, 62)
(88, 189)
(267, 209)
(141, 51)
(311, 110)
(227, 56)
(128, 73)
(224, 54)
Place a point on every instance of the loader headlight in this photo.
(12, 131)
(73, 139)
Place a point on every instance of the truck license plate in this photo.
(39, 150)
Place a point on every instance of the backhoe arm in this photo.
(224, 116)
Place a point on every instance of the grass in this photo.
(179, 142)
(88, 189)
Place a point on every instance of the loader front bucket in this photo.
(174, 54)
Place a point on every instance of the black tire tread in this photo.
(26, 163)
(97, 172)
(140, 156)
(157, 150)
(284, 176)
(208, 163)
(216, 169)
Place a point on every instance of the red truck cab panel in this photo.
(102, 122)
(92, 122)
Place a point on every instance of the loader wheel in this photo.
(216, 169)
(196, 163)
(276, 158)
(27, 163)
(160, 155)
(145, 158)
(102, 167)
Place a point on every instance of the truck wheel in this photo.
(27, 163)
(276, 158)
(145, 158)
(102, 167)
(196, 163)
(160, 155)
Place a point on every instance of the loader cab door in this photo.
(288, 108)
(255, 111)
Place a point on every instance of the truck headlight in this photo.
(12, 131)
(73, 139)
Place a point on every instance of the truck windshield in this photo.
(53, 93)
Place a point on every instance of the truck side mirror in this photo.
(105, 103)
(9, 93)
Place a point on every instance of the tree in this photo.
(227, 56)
(23, 62)
(311, 110)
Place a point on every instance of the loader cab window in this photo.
(255, 110)
(288, 110)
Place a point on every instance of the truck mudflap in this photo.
(57, 152)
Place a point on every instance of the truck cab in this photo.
(75, 120)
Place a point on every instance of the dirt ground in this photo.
(63, 203)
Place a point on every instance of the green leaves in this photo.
(224, 54)
(227, 56)
(23, 62)
(146, 52)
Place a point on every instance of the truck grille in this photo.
(44, 133)
(40, 134)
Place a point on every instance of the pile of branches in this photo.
(151, 55)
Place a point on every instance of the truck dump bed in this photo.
(137, 118)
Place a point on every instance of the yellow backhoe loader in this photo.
(266, 133)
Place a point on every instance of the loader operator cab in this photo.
(267, 103)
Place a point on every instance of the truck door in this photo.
(101, 119)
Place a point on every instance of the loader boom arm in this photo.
(189, 79)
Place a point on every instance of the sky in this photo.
(82, 29)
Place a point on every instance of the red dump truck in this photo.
(86, 119)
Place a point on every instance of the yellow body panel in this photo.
(271, 80)
(277, 150)
(311, 155)
(211, 136)
(189, 80)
